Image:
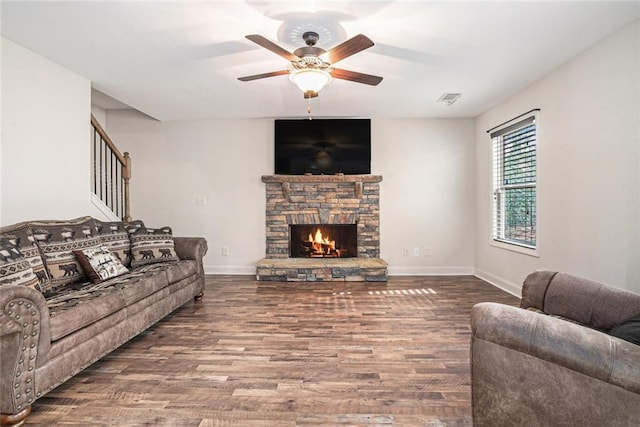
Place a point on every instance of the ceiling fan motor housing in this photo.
(310, 38)
(309, 51)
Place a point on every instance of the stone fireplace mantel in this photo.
(322, 178)
(287, 180)
(322, 199)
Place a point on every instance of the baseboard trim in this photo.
(430, 271)
(239, 270)
(507, 286)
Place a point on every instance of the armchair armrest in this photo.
(24, 343)
(579, 348)
(532, 369)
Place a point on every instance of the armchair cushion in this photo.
(628, 331)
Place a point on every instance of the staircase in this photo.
(111, 174)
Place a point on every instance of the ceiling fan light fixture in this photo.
(310, 80)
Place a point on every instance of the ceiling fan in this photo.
(313, 66)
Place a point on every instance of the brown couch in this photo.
(54, 322)
(551, 362)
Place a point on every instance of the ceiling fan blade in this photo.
(263, 75)
(354, 76)
(268, 44)
(352, 46)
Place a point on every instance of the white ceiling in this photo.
(180, 60)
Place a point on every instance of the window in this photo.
(514, 182)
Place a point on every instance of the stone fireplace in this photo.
(322, 228)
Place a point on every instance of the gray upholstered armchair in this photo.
(552, 362)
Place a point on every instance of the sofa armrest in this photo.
(194, 248)
(25, 341)
(558, 341)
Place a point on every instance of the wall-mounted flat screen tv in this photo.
(323, 146)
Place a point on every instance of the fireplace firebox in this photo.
(323, 240)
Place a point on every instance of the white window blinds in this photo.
(514, 182)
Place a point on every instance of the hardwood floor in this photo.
(289, 354)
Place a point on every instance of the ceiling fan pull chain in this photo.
(309, 108)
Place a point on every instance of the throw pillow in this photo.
(149, 245)
(114, 236)
(22, 238)
(14, 267)
(628, 331)
(57, 241)
(100, 264)
(132, 226)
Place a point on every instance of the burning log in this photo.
(321, 246)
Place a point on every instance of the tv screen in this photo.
(323, 146)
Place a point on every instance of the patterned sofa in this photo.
(569, 356)
(72, 291)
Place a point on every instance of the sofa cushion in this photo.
(21, 236)
(100, 264)
(79, 304)
(57, 241)
(76, 305)
(14, 267)
(144, 281)
(181, 270)
(151, 245)
(114, 237)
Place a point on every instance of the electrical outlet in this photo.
(405, 251)
(201, 201)
(427, 252)
(416, 251)
(225, 251)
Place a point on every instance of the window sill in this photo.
(515, 248)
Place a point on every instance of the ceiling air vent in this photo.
(449, 98)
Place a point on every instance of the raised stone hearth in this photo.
(325, 270)
(322, 199)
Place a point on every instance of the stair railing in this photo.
(111, 173)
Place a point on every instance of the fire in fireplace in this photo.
(323, 241)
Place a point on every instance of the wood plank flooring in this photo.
(289, 354)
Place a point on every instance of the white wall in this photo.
(175, 163)
(427, 194)
(427, 190)
(45, 139)
(588, 170)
